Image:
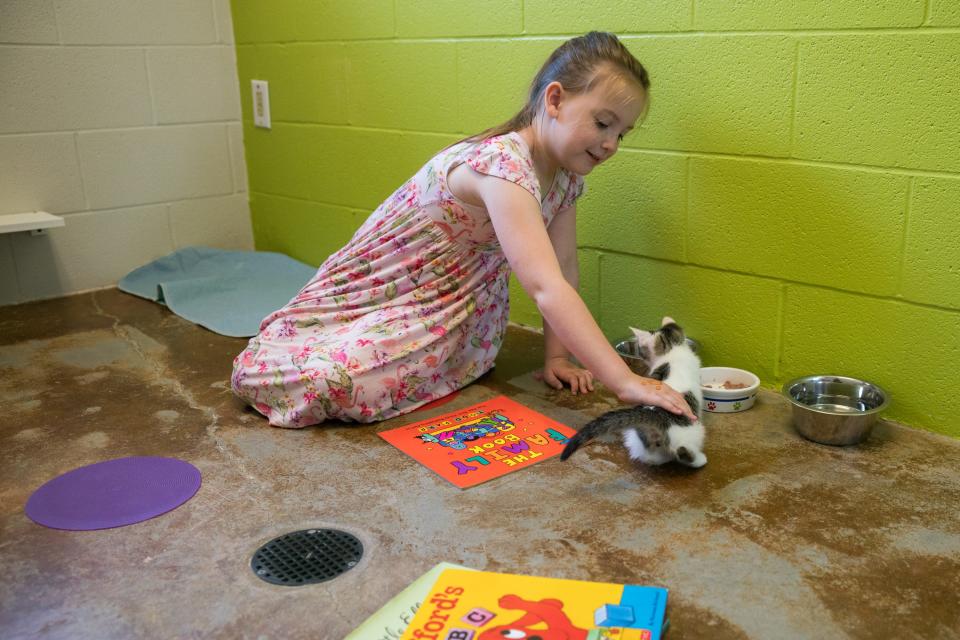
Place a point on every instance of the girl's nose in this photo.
(611, 144)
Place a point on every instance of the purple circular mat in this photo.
(113, 493)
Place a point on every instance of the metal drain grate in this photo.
(307, 557)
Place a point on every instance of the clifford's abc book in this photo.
(481, 605)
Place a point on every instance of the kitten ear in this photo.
(667, 320)
(640, 334)
(671, 332)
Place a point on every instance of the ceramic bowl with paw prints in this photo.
(727, 389)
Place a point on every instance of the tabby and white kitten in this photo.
(651, 434)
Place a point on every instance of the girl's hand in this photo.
(639, 390)
(560, 371)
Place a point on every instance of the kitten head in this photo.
(655, 344)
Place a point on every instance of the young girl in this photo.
(416, 305)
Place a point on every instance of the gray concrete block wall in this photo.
(125, 119)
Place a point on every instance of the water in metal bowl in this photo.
(836, 410)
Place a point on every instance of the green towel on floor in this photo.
(228, 292)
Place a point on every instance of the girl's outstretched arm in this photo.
(515, 215)
(557, 367)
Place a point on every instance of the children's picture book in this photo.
(481, 442)
(481, 605)
(392, 619)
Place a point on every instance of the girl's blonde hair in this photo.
(576, 66)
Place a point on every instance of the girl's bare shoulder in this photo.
(464, 184)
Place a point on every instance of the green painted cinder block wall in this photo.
(793, 197)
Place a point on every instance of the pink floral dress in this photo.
(412, 309)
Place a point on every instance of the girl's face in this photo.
(586, 129)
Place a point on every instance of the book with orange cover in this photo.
(481, 605)
(481, 442)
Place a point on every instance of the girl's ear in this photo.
(553, 95)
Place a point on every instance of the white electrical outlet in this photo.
(261, 103)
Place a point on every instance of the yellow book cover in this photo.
(481, 605)
(388, 622)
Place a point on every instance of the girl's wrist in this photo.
(624, 387)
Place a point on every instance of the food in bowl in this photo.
(727, 385)
(728, 389)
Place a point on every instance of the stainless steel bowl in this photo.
(835, 410)
(629, 350)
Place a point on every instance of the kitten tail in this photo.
(587, 433)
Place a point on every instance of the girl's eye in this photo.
(601, 125)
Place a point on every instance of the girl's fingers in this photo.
(677, 404)
(684, 409)
(586, 384)
(579, 380)
(551, 379)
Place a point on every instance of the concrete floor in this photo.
(776, 537)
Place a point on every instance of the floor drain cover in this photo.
(307, 557)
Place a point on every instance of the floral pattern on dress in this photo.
(413, 308)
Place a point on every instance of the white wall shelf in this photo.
(34, 221)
